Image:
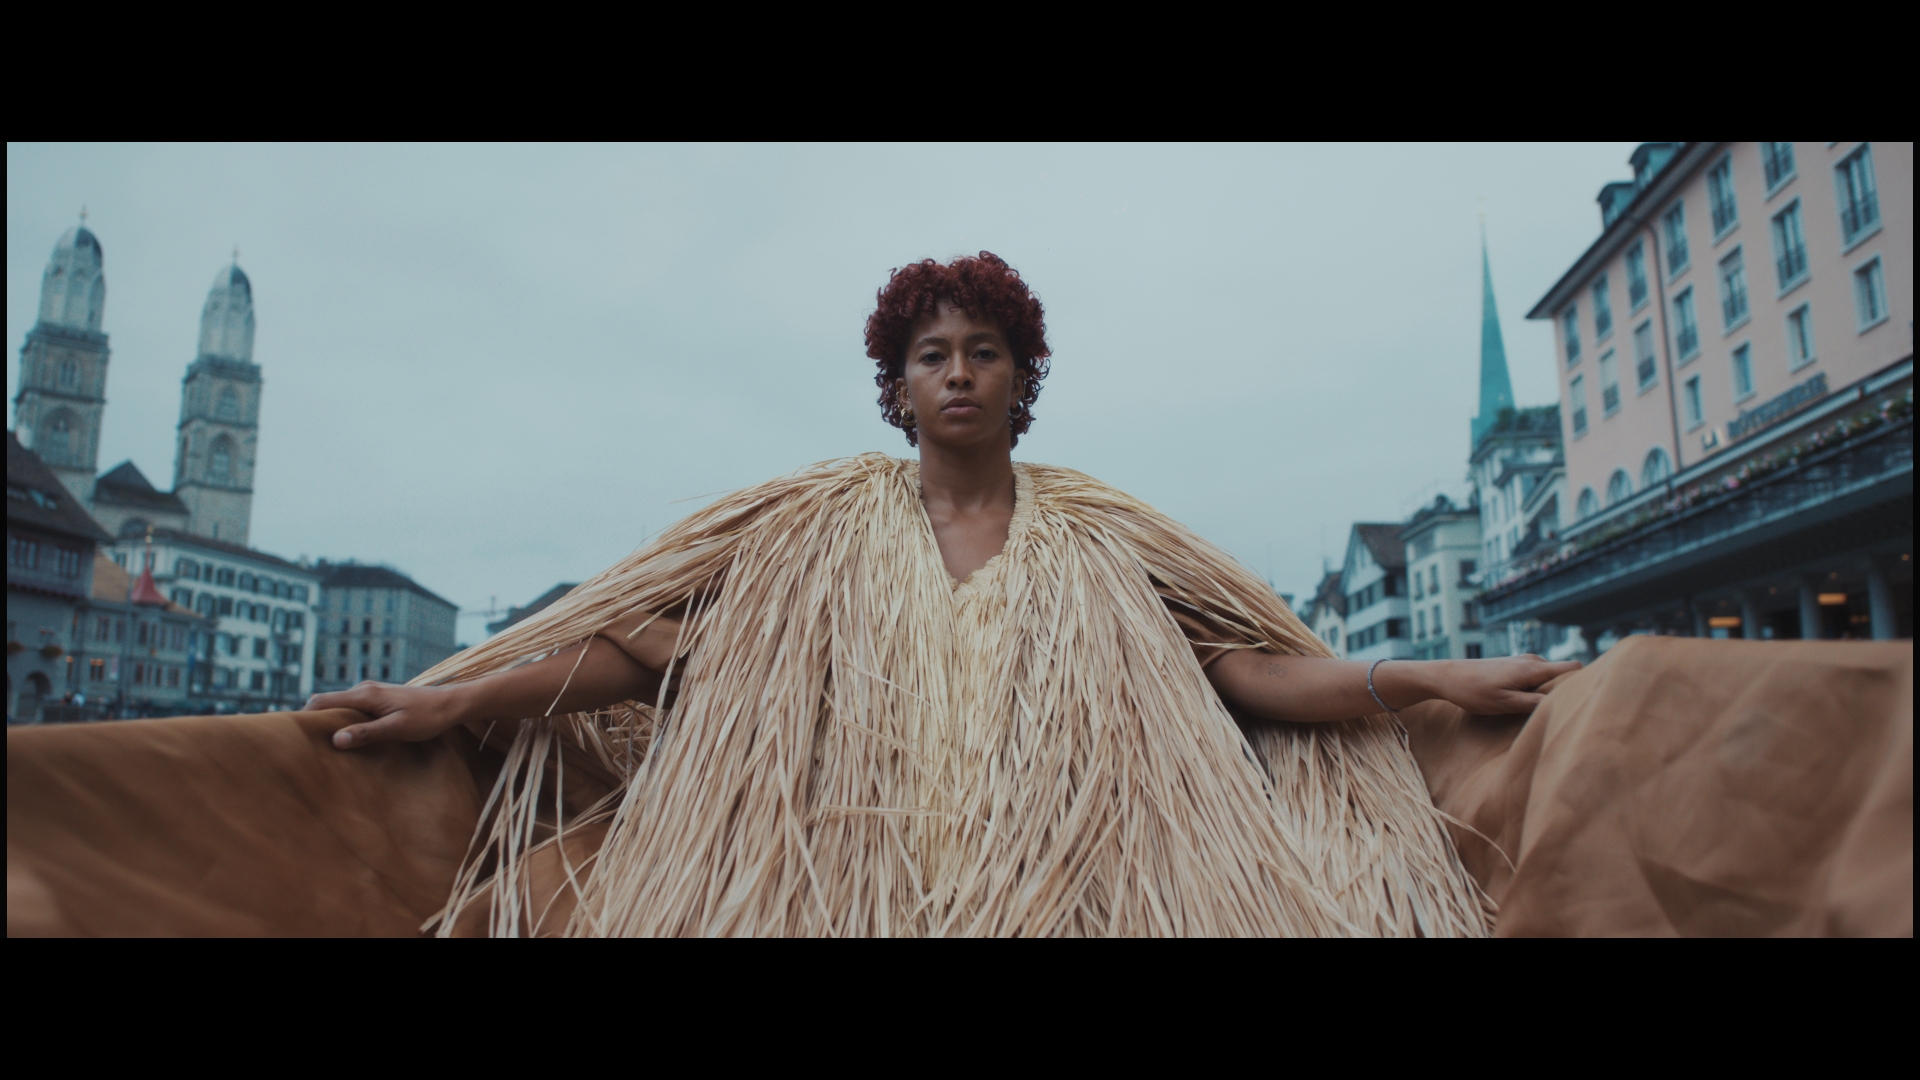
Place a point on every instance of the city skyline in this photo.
(442, 336)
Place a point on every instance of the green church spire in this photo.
(1496, 389)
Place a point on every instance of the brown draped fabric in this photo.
(1677, 787)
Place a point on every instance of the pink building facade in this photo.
(1746, 310)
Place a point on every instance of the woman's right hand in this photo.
(400, 713)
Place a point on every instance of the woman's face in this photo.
(960, 380)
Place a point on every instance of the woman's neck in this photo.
(967, 479)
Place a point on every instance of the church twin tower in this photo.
(63, 397)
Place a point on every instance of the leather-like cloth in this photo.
(1675, 787)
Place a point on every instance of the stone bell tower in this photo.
(220, 414)
(63, 364)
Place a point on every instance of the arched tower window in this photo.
(221, 465)
(1589, 503)
(57, 436)
(1619, 487)
(229, 406)
(1656, 468)
(69, 374)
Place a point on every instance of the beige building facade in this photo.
(1734, 355)
(1743, 272)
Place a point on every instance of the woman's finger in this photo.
(357, 698)
(353, 736)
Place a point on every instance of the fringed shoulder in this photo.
(1185, 565)
(678, 565)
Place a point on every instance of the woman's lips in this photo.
(961, 407)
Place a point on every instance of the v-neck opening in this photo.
(1022, 514)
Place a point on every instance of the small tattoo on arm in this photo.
(1276, 670)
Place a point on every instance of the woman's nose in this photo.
(959, 376)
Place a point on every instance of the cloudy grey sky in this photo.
(499, 367)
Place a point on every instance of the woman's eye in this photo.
(984, 354)
(930, 358)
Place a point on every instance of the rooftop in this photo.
(126, 485)
(228, 547)
(352, 575)
(112, 583)
(1383, 543)
(37, 499)
(534, 607)
(1529, 422)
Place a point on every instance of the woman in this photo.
(953, 696)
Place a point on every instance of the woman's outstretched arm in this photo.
(1316, 689)
(618, 666)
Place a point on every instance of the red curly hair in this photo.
(985, 288)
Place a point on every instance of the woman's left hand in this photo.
(1501, 686)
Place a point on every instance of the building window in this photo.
(1602, 310)
(1473, 650)
(1686, 336)
(1656, 468)
(1859, 203)
(1467, 569)
(1645, 371)
(1570, 327)
(56, 438)
(386, 648)
(1733, 289)
(259, 648)
(1776, 159)
(1609, 385)
(1789, 245)
(1675, 222)
(1720, 197)
(1636, 276)
(229, 406)
(1420, 625)
(1743, 372)
(24, 554)
(1396, 628)
(69, 374)
(258, 681)
(226, 605)
(1619, 487)
(1696, 414)
(1870, 295)
(1800, 336)
(1437, 627)
(1577, 394)
(221, 468)
(1588, 505)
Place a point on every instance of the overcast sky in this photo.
(496, 368)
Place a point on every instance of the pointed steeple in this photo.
(1496, 389)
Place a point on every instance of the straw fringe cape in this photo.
(855, 744)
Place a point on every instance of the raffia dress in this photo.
(855, 744)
